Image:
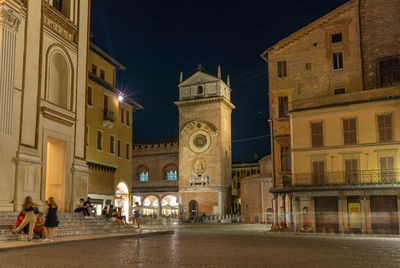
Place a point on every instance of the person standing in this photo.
(28, 211)
(51, 221)
(136, 214)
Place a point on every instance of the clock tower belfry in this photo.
(205, 151)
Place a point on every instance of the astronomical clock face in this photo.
(199, 135)
(199, 141)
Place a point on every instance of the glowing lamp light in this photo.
(120, 98)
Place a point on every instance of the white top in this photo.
(78, 204)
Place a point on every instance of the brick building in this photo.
(334, 89)
(155, 166)
(256, 198)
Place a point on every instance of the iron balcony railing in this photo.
(340, 178)
(108, 115)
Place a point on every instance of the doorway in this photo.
(193, 209)
(55, 171)
(122, 199)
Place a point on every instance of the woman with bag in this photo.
(28, 211)
(51, 221)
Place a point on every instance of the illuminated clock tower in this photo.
(205, 151)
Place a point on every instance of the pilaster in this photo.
(9, 24)
(80, 177)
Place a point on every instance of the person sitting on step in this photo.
(79, 207)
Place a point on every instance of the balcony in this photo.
(361, 179)
(202, 181)
(108, 118)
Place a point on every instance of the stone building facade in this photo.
(155, 170)
(239, 171)
(108, 133)
(255, 195)
(43, 47)
(205, 153)
(334, 86)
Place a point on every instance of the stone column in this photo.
(9, 24)
(159, 208)
(80, 178)
(291, 218)
(362, 214)
(312, 214)
(398, 212)
(276, 211)
(342, 214)
(282, 222)
(221, 203)
(296, 214)
(368, 215)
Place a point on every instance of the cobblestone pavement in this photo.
(208, 247)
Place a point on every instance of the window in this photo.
(317, 137)
(388, 174)
(90, 96)
(336, 38)
(171, 175)
(349, 131)
(199, 90)
(111, 144)
(99, 140)
(308, 66)
(318, 172)
(127, 117)
(282, 72)
(143, 173)
(389, 72)
(285, 159)
(283, 107)
(57, 4)
(119, 148)
(385, 128)
(102, 73)
(337, 61)
(94, 69)
(339, 91)
(127, 151)
(122, 115)
(351, 171)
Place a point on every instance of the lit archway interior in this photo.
(122, 199)
(169, 206)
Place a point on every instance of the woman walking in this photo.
(28, 211)
(51, 221)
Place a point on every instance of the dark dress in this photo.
(51, 218)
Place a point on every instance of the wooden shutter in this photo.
(349, 131)
(105, 103)
(283, 107)
(385, 128)
(317, 134)
(387, 169)
(318, 172)
(351, 171)
(282, 72)
(89, 96)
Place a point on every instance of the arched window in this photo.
(171, 172)
(59, 81)
(199, 90)
(143, 173)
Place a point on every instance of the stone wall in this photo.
(380, 35)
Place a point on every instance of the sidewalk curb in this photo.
(119, 235)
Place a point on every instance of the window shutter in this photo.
(317, 134)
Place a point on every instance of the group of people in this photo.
(31, 220)
(84, 206)
(115, 215)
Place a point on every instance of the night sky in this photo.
(156, 40)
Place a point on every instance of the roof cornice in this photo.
(196, 102)
(106, 57)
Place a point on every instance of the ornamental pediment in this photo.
(199, 125)
(199, 78)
